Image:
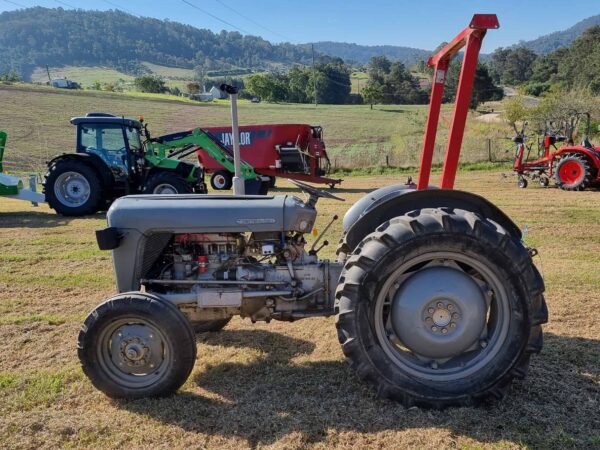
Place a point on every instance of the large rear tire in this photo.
(72, 188)
(166, 182)
(440, 307)
(573, 173)
(136, 345)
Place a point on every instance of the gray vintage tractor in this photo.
(436, 299)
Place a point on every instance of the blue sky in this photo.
(421, 23)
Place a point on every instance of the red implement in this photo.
(295, 151)
(471, 38)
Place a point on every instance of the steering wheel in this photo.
(314, 193)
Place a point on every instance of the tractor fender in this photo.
(93, 161)
(392, 201)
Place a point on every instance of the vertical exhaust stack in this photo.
(239, 187)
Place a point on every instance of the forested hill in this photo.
(39, 36)
(550, 42)
(363, 53)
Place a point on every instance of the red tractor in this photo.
(294, 151)
(574, 167)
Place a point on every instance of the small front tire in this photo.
(136, 345)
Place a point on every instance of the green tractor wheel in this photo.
(167, 183)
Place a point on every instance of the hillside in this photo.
(550, 42)
(363, 53)
(36, 36)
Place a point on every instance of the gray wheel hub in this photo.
(219, 181)
(439, 312)
(136, 349)
(72, 189)
(165, 189)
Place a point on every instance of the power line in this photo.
(252, 20)
(119, 7)
(65, 4)
(16, 4)
(215, 17)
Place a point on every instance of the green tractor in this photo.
(116, 156)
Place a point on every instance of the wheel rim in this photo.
(133, 352)
(72, 189)
(570, 172)
(442, 316)
(165, 188)
(219, 181)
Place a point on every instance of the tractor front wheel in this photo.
(72, 188)
(221, 180)
(136, 345)
(440, 307)
(167, 183)
(573, 173)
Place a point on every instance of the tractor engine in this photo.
(261, 275)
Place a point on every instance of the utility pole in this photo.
(312, 46)
(239, 186)
(48, 72)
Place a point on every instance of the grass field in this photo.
(37, 121)
(287, 385)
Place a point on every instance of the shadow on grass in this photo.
(35, 219)
(263, 401)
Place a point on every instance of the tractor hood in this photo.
(192, 213)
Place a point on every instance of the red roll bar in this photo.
(471, 37)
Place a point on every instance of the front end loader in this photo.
(436, 299)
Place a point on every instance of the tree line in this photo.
(566, 68)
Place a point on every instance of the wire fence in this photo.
(385, 154)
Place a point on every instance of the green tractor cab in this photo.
(114, 157)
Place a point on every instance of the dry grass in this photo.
(287, 385)
(37, 122)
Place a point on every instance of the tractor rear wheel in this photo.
(221, 180)
(440, 307)
(167, 183)
(573, 173)
(202, 326)
(136, 345)
(72, 188)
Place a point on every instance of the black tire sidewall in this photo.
(165, 316)
(171, 178)
(91, 206)
(582, 183)
(508, 355)
(228, 180)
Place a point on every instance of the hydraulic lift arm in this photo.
(471, 38)
(187, 142)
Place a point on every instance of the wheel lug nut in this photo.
(431, 310)
(444, 330)
(428, 319)
(452, 325)
(450, 306)
(455, 316)
(440, 305)
(434, 328)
